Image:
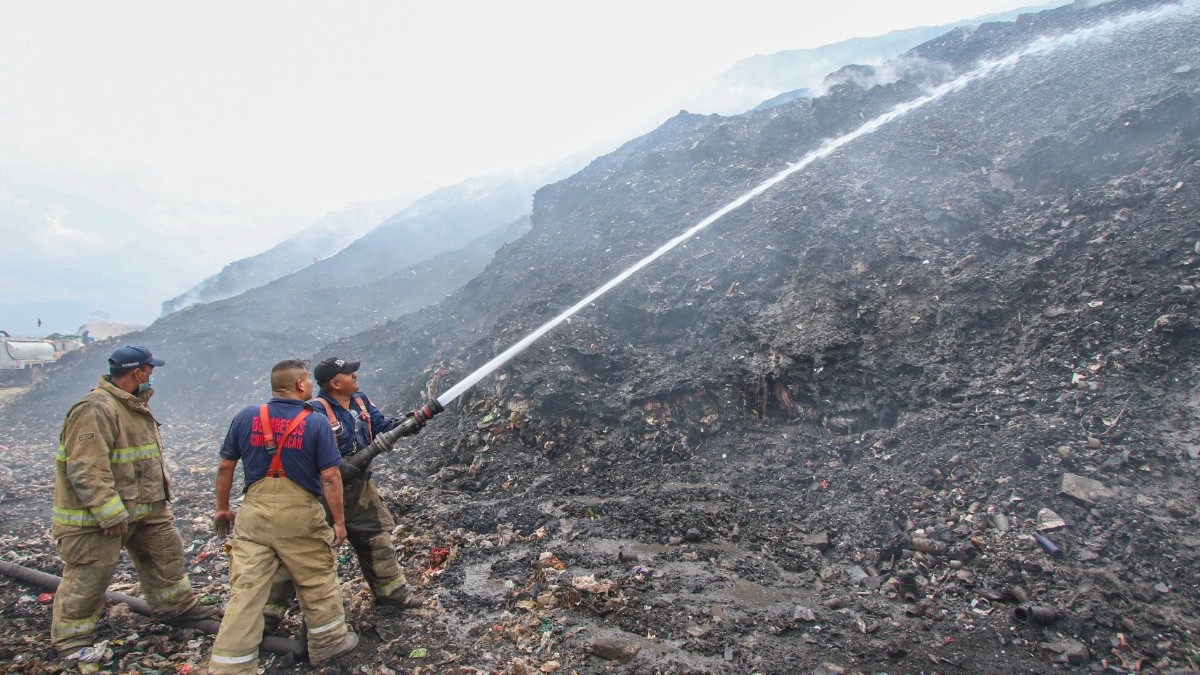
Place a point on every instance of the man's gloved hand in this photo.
(413, 423)
(391, 423)
(349, 471)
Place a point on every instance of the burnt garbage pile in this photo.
(927, 401)
(907, 272)
(926, 334)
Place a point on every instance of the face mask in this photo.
(143, 387)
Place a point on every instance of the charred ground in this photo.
(900, 348)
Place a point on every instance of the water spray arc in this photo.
(986, 69)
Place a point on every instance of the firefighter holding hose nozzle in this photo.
(362, 432)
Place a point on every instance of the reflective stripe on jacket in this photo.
(110, 465)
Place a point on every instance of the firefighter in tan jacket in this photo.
(111, 491)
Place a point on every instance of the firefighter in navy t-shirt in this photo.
(290, 461)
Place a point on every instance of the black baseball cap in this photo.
(332, 367)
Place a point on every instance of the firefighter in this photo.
(111, 491)
(369, 524)
(289, 460)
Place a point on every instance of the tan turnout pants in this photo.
(279, 524)
(369, 527)
(89, 559)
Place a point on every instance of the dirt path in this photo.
(8, 393)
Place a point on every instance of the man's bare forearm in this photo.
(331, 483)
(225, 471)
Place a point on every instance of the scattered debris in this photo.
(589, 584)
(614, 649)
(1064, 651)
(1086, 490)
(833, 427)
(1049, 521)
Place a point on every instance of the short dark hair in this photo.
(281, 373)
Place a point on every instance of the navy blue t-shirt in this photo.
(310, 449)
(352, 433)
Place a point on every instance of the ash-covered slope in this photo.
(906, 204)
(339, 252)
(829, 424)
(319, 240)
(442, 221)
(943, 321)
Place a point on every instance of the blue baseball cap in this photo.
(132, 357)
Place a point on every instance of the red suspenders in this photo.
(333, 422)
(366, 418)
(276, 468)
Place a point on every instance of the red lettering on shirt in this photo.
(278, 425)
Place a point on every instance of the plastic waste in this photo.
(1036, 614)
(1048, 546)
(96, 653)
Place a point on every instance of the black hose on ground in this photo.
(50, 582)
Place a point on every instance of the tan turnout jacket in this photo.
(110, 466)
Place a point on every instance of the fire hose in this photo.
(50, 582)
(386, 440)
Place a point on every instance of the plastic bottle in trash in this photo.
(1048, 546)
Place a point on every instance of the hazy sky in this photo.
(200, 133)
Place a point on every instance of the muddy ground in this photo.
(822, 436)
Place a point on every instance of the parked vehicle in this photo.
(23, 358)
(65, 343)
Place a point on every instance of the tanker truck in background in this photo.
(65, 343)
(23, 358)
